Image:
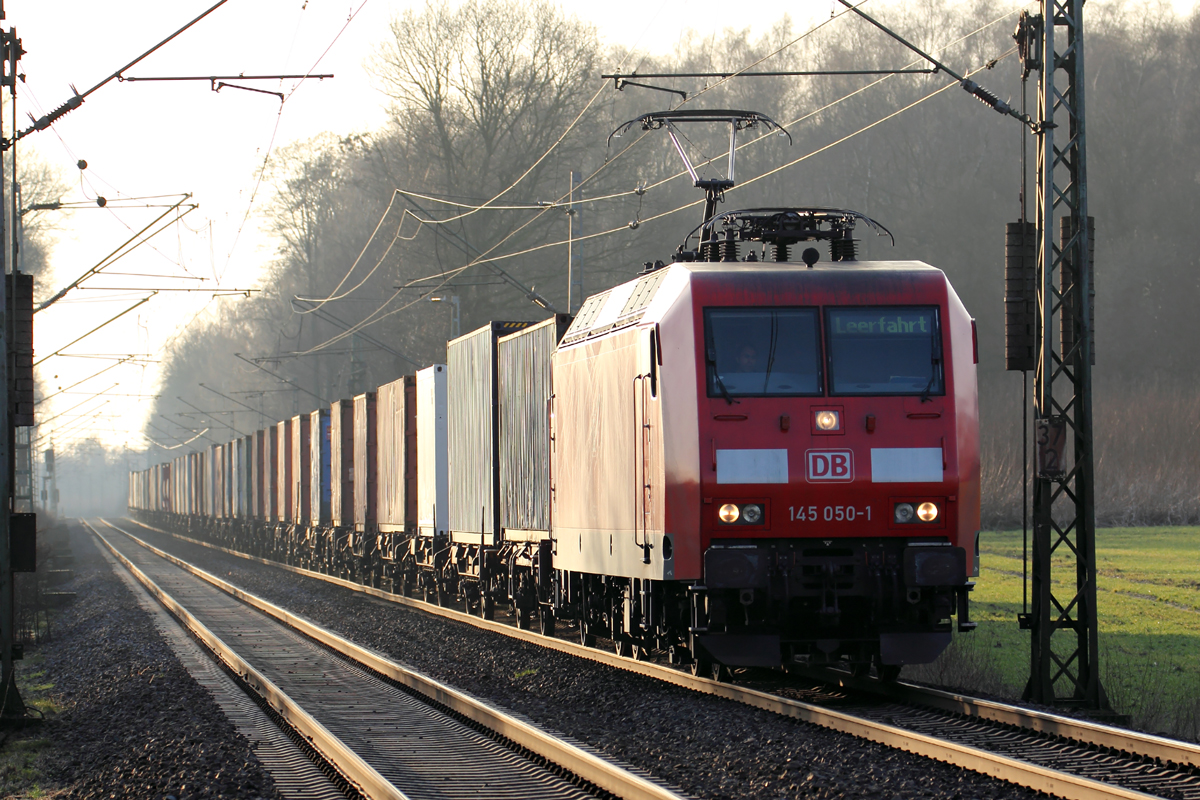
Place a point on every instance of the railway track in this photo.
(1046, 752)
(375, 728)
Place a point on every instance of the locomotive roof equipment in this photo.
(714, 188)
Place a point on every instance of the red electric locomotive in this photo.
(758, 461)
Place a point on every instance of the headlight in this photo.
(752, 514)
(828, 420)
(729, 513)
(927, 512)
(904, 512)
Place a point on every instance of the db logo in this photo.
(830, 465)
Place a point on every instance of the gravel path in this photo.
(709, 747)
(133, 724)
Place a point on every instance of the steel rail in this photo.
(1146, 745)
(358, 773)
(578, 761)
(1013, 770)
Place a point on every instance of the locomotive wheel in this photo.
(888, 673)
(701, 665)
(546, 621)
(641, 653)
(487, 608)
(623, 648)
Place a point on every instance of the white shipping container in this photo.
(319, 465)
(433, 473)
(396, 446)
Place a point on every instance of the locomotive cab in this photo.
(840, 507)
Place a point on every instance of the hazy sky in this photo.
(153, 139)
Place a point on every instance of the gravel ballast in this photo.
(706, 746)
(130, 721)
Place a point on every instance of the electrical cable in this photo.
(641, 191)
(472, 211)
(771, 55)
(697, 202)
(376, 316)
(274, 132)
(320, 301)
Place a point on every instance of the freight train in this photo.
(734, 459)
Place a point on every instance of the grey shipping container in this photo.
(341, 463)
(472, 430)
(235, 479)
(319, 481)
(524, 393)
(230, 478)
(301, 471)
(283, 471)
(257, 461)
(365, 479)
(216, 485)
(433, 476)
(245, 477)
(396, 452)
(271, 475)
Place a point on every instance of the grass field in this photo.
(1148, 601)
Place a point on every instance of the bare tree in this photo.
(41, 184)
(491, 85)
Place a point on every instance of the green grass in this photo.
(23, 754)
(1148, 602)
(20, 772)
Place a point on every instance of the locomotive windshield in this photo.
(884, 350)
(763, 352)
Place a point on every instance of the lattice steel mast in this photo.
(1064, 649)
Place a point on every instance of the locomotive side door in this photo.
(645, 393)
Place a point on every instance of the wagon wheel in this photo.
(586, 639)
(546, 621)
(524, 619)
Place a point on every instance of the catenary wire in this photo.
(376, 316)
(275, 132)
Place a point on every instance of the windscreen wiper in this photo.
(771, 350)
(720, 383)
(935, 362)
